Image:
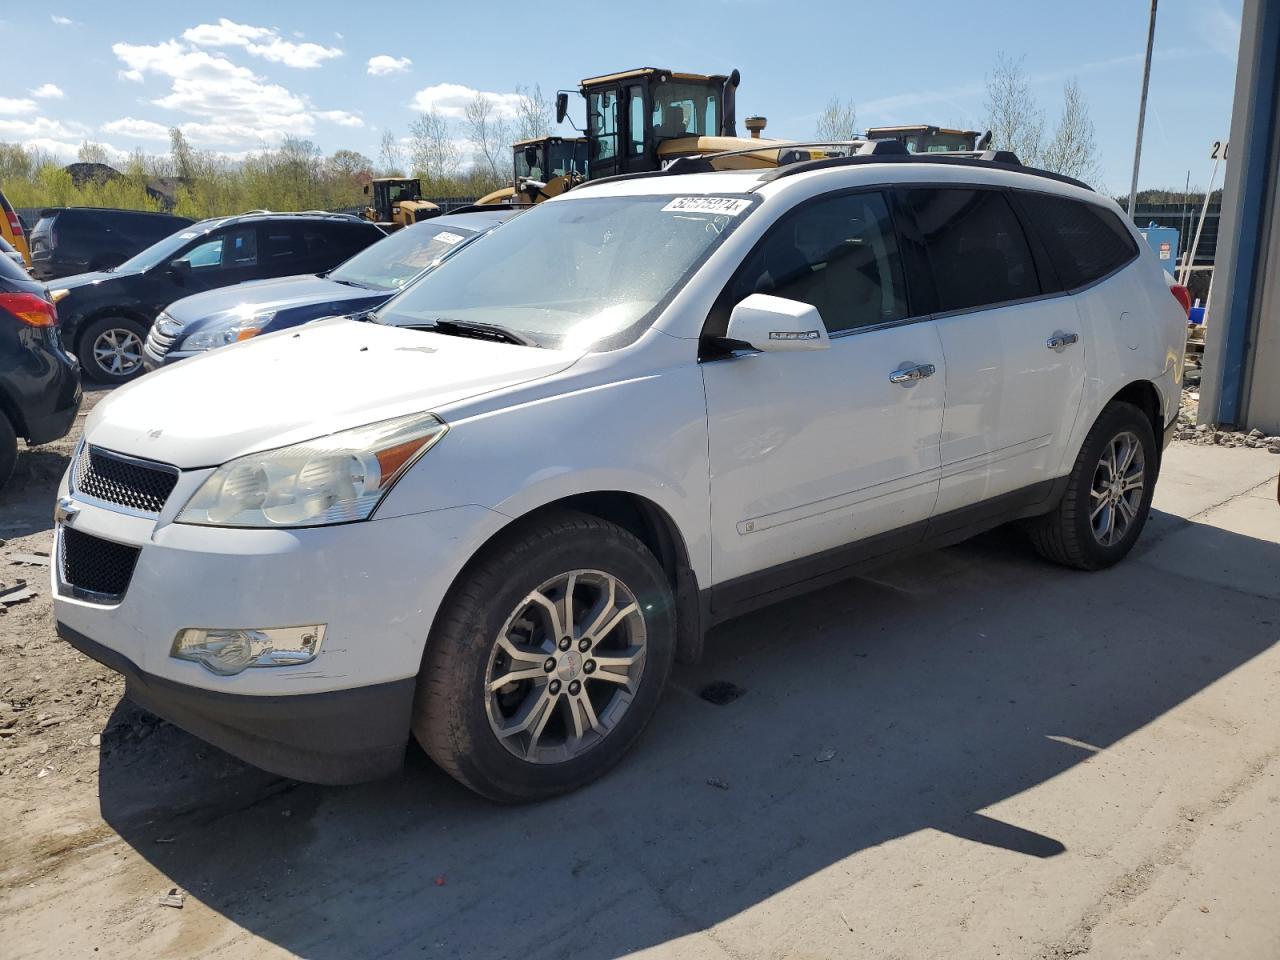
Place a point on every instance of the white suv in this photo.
(494, 513)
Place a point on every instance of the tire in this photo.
(106, 334)
(8, 450)
(459, 721)
(1067, 535)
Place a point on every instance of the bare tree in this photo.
(183, 159)
(533, 113)
(1073, 150)
(1014, 118)
(390, 154)
(92, 152)
(432, 148)
(838, 121)
(489, 135)
(349, 164)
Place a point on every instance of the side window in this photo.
(602, 118)
(977, 251)
(635, 133)
(281, 242)
(204, 256)
(1085, 242)
(838, 254)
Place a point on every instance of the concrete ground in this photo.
(969, 754)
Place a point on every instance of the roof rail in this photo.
(987, 159)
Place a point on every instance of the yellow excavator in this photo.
(397, 202)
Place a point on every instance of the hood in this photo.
(303, 383)
(78, 280)
(261, 296)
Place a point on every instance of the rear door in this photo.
(1015, 358)
(812, 452)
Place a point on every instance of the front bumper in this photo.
(376, 585)
(344, 736)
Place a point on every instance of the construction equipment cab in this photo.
(639, 120)
(397, 202)
(923, 138)
(542, 168)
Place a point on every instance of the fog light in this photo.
(228, 652)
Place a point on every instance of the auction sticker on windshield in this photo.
(726, 206)
(445, 236)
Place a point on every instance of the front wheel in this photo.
(547, 660)
(1108, 494)
(111, 349)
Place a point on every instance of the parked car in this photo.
(69, 240)
(366, 281)
(106, 315)
(7, 250)
(497, 514)
(11, 229)
(39, 380)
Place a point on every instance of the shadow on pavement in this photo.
(943, 684)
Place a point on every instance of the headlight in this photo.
(333, 479)
(219, 335)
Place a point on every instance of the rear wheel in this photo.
(547, 660)
(8, 449)
(111, 349)
(1108, 496)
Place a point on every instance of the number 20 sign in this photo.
(1219, 150)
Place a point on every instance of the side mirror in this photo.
(562, 106)
(777, 325)
(179, 270)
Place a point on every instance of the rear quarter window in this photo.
(1084, 241)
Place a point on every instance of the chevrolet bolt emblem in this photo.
(65, 511)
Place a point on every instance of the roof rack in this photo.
(293, 213)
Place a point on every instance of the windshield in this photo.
(161, 250)
(549, 159)
(574, 273)
(391, 263)
(681, 109)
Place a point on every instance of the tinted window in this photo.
(281, 242)
(976, 248)
(838, 254)
(1085, 242)
(335, 242)
(235, 248)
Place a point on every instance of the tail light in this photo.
(29, 309)
(1182, 295)
(14, 223)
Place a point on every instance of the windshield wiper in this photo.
(479, 331)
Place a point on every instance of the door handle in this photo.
(909, 375)
(1060, 341)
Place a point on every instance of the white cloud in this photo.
(40, 127)
(341, 117)
(137, 129)
(231, 103)
(384, 64)
(450, 100)
(13, 105)
(49, 91)
(264, 42)
(62, 21)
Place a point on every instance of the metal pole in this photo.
(1142, 110)
(1191, 257)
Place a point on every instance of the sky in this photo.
(237, 76)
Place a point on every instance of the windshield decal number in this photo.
(724, 206)
(449, 238)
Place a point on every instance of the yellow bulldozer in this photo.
(397, 202)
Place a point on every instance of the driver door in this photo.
(617, 120)
(821, 458)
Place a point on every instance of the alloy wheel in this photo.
(1115, 497)
(565, 666)
(118, 351)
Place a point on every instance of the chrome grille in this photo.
(164, 334)
(137, 484)
(91, 565)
